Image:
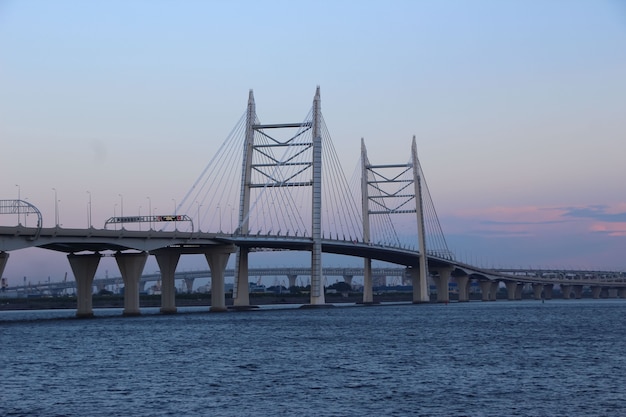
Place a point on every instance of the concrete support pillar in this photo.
(368, 282)
(578, 291)
(595, 292)
(463, 287)
(493, 294)
(4, 257)
(348, 280)
(292, 280)
(621, 292)
(566, 291)
(242, 284)
(442, 281)
(419, 293)
(167, 260)
(547, 291)
(485, 290)
(131, 266)
(189, 284)
(537, 290)
(217, 262)
(518, 291)
(84, 268)
(511, 289)
(612, 293)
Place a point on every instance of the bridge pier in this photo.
(493, 294)
(241, 289)
(217, 263)
(596, 290)
(566, 291)
(189, 284)
(420, 286)
(348, 279)
(4, 257)
(168, 260)
(547, 291)
(463, 287)
(578, 291)
(368, 282)
(442, 280)
(621, 293)
(84, 268)
(537, 290)
(292, 280)
(512, 290)
(611, 292)
(485, 289)
(131, 266)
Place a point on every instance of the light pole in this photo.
(89, 211)
(56, 208)
(175, 219)
(122, 209)
(115, 215)
(18, 204)
(150, 211)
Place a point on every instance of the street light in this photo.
(150, 211)
(122, 209)
(175, 222)
(18, 203)
(56, 208)
(89, 212)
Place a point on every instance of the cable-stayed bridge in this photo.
(272, 186)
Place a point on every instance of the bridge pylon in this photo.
(385, 202)
(273, 178)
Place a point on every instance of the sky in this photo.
(518, 108)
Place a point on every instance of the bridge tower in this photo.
(387, 202)
(241, 296)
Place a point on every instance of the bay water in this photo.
(504, 358)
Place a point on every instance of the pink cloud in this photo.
(610, 229)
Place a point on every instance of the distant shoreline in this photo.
(186, 300)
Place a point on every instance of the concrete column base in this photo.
(493, 294)
(168, 260)
(566, 291)
(189, 284)
(420, 295)
(84, 268)
(442, 281)
(4, 257)
(537, 291)
(485, 290)
(595, 292)
(241, 292)
(368, 283)
(217, 260)
(131, 266)
(292, 280)
(578, 291)
(463, 287)
(547, 291)
(511, 290)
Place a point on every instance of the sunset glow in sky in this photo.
(518, 107)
